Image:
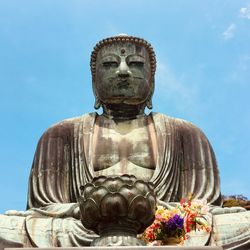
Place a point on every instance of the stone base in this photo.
(124, 248)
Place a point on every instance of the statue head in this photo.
(123, 69)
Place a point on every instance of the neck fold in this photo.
(123, 111)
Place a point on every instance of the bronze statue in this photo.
(172, 153)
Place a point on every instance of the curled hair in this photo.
(122, 38)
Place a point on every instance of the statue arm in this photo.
(49, 178)
(186, 162)
(199, 172)
(61, 166)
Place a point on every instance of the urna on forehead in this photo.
(138, 44)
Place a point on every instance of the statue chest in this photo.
(124, 149)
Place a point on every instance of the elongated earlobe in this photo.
(97, 103)
(149, 103)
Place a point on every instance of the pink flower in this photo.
(193, 213)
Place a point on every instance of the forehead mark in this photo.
(123, 51)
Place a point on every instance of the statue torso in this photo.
(68, 149)
(124, 147)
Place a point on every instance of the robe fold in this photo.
(63, 163)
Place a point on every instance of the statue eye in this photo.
(136, 64)
(110, 64)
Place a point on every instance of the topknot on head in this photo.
(122, 38)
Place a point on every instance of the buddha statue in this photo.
(172, 153)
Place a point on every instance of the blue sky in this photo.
(203, 74)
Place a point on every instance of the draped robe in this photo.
(63, 162)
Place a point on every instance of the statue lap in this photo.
(229, 230)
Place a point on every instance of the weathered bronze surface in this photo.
(117, 208)
(171, 153)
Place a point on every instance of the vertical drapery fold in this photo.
(186, 162)
(63, 162)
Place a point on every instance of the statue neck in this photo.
(123, 111)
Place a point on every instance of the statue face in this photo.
(123, 74)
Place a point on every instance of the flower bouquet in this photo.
(173, 226)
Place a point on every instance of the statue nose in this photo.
(123, 70)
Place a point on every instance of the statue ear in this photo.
(149, 104)
(97, 103)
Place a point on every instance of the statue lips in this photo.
(124, 84)
(121, 88)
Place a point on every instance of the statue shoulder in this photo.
(181, 126)
(66, 127)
